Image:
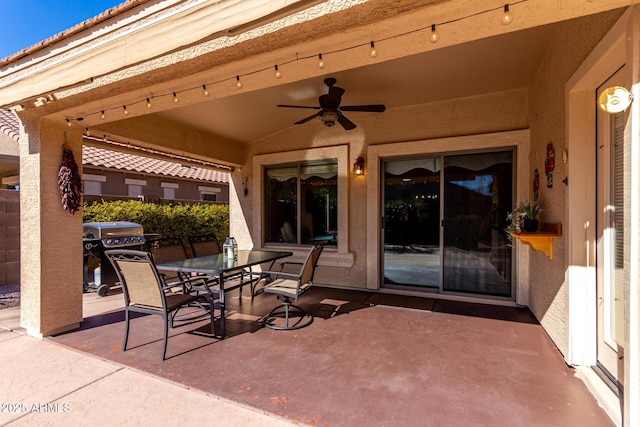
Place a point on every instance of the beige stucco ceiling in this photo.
(489, 65)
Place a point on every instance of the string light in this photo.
(373, 52)
(87, 132)
(434, 36)
(125, 111)
(507, 17)
(68, 122)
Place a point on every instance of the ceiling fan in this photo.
(330, 109)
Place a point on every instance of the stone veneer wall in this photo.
(9, 237)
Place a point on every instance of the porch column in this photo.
(50, 237)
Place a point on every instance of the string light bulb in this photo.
(507, 17)
(175, 98)
(148, 103)
(434, 36)
(86, 131)
(238, 82)
(373, 52)
(205, 91)
(320, 61)
(124, 110)
(102, 115)
(68, 122)
(277, 72)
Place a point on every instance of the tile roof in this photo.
(100, 157)
(10, 124)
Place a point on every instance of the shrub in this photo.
(170, 220)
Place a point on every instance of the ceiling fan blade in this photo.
(375, 108)
(298, 106)
(299, 122)
(346, 123)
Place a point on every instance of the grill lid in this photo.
(105, 230)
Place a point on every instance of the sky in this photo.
(26, 22)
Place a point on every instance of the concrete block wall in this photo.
(9, 237)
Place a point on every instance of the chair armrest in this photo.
(276, 274)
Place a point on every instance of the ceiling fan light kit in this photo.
(330, 109)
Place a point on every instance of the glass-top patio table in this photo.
(216, 265)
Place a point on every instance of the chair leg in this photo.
(166, 336)
(213, 320)
(126, 331)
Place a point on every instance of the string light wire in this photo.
(317, 57)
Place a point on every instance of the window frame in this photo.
(339, 153)
(300, 211)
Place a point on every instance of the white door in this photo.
(610, 237)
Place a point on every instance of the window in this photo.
(301, 203)
(209, 194)
(92, 184)
(169, 190)
(135, 186)
(135, 190)
(92, 188)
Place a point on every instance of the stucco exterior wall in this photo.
(474, 115)
(549, 297)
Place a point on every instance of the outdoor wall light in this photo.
(358, 166)
(615, 99)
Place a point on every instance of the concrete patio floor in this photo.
(436, 364)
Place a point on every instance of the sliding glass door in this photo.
(477, 196)
(412, 222)
(443, 224)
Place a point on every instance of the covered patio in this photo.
(482, 104)
(365, 360)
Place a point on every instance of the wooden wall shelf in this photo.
(541, 240)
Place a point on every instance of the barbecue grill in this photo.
(98, 237)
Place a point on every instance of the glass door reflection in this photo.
(478, 193)
(411, 231)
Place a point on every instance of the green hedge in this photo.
(170, 220)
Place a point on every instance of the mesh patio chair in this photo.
(204, 245)
(145, 291)
(289, 286)
(172, 249)
(167, 250)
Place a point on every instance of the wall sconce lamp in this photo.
(615, 99)
(358, 166)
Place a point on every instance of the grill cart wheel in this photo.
(103, 290)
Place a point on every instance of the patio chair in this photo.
(167, 250)
(172, 249)
(289, 286)
(209, 245)
(204, 245)
(145, 291)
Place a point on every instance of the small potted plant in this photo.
(525, 217)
